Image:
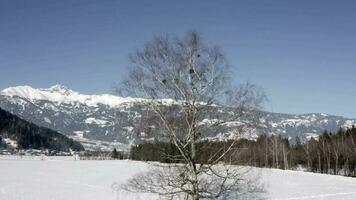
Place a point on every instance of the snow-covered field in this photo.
(66, 179)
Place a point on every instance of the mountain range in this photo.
(106, 121)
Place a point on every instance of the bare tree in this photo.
(189, 89)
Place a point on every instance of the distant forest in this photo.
(30, 136)
(330, 153)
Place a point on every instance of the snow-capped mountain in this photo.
(109, 119)
(63, 95)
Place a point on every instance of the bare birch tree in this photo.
(189, 89)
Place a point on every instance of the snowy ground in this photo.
(66, 179)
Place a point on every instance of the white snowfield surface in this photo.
(58, 178)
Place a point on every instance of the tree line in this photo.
(329, 153)
(103, 155)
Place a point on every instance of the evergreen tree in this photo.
(2, 143)
(114, 154)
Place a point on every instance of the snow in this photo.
(47, 120)
(58, 178)
(128, 128)
(349, 123)
(79, 134)
(92, 120)
(293, 185)
(61, 94)
(309, 136)
(10, 142)
(66, 179)
(295, 122)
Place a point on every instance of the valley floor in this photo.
(58, 178)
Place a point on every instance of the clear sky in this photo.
(303, 53)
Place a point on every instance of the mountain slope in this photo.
(112, 119)
(24, 135)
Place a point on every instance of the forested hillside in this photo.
(18, 133)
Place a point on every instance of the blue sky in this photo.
(303, 53)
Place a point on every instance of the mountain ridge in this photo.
(109, 118)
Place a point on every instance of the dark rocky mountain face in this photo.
(107, 120)
(18, 133)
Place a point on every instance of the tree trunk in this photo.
(319, 163)
(285, 159)
(195, 184)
